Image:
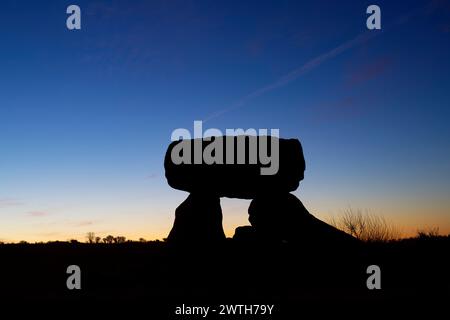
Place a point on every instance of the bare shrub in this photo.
(90, 237)
(431, 233)
(366, 226)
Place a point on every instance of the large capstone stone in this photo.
(235, 166)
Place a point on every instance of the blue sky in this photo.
(86, 116)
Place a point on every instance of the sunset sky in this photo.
(86, 116)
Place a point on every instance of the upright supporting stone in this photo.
(283, 217)
(198, 220)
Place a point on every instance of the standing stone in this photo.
(282, 217)
(198, 219)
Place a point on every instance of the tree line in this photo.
(91, 237)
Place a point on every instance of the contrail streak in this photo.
(314, 63)
(296, 73)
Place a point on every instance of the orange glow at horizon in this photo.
(157, 226)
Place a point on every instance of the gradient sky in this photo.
(86, 116)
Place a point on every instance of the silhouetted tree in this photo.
(108, 239)
(120, 239)
(98, 239)
(142, 240)
(90, 236)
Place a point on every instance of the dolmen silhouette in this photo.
(275, 214)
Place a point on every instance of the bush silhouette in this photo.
(366, 226)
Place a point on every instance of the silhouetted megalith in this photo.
(235, 180)
(283, 217)
(198, 219)
(275, 214)
(244, 233)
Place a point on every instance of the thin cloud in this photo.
(151, 176)
(341, 108)
(37, 214)
(317, 61)
(296, 73)
(369, 71)
(50, 234)
(9, 202)
(84, 223)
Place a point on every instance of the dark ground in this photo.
(156, 278)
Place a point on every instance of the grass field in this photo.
(159, 277)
